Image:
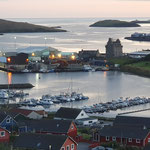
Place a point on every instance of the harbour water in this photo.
(99, 86)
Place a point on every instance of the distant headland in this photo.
(141, 21)
(114, 23)
(23, 27)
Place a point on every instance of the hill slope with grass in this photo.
(23, 27)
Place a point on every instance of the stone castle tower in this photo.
(113, 48)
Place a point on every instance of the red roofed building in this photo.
(32, 114)
(61, 127)
(4, 135)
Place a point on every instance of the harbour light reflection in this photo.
(9, 74)
(105, 74)
(37, 77)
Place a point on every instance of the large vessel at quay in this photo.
(139, 37)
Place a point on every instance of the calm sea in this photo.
(79, 35)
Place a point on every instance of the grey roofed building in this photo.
(67, 113)
(88, 54)
(8, 54)
(70, 113)
(17, 116)
(2, 116)
(132, 121)
(43, 125)
(124, 132)
(139, 54)
(37, 49)
(39, 141)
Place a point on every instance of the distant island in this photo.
(114, 23)
(23, 27)
(141, 21)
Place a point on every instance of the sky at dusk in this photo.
(73, 8)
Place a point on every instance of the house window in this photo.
(107, 138)
(68, 147)
(113, 138)
(137, 140)
(8, 120)
(82, 114)
(72, 127)
(90, 121)
(148, 140)
(130, 140)
(72, 146)
(2, 133)
(62, 148)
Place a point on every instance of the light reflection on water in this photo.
(9, 77)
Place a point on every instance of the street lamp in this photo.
(52, 56)
(33, 54)
(73, 57)
(59, 55)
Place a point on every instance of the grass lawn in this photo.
(144, 65)
(122, 61)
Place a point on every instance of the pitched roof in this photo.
(40, 141)
(12, 114)
(41, 112)
(132, 121)
(43, 125)
(21, 111)
(3, 115)
(67, 113)
(26, 112)
(124, 132)
(5, 130)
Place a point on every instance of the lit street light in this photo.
(33, 54)
(73, 57)
(59, 55)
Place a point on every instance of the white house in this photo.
(65, 113)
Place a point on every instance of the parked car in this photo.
(102, 148)
(99, 148)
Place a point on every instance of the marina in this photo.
(116, 104)
(96, 85)
(51, 103)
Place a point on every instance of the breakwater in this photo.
(16, 86)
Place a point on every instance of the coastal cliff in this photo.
(23, 27)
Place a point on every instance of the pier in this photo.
(16, 86)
